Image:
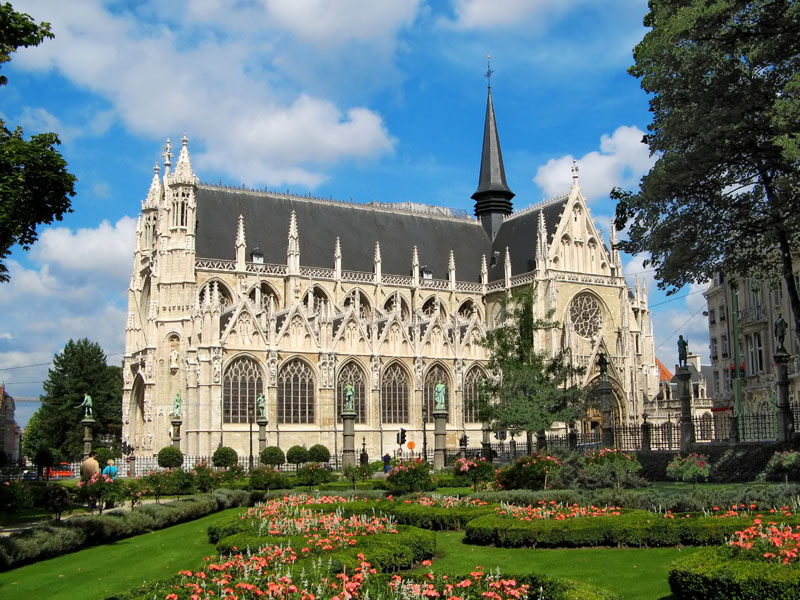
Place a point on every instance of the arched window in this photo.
(396, 302)
(473, 386)
(206, 294)
(296, 393)
(394, 395)
(429, 309)
(314, 299)
(180, 201)
(706, 427)
(241, 385)
(435, 374)
(354, 374)
(358, 298)
(260, 296)
(467, 309)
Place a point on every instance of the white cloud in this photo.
(107, 249)
(479, 14)
(228, 91)
(75, 288)
(329, 23)
(38, 120)
(621, 161)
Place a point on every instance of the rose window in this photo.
(584, 311)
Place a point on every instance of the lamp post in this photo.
(424, 431)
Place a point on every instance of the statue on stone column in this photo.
(438, 396)
(261, 407)
(683, 351)
(780, 332)
(349, 397)
(177, 407)
(86, 405)
(602, 363)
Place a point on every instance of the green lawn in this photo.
(631, 573)
(95, 573)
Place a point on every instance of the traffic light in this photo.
(401, 437)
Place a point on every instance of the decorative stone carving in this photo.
(216, 365)
(173, 360)
(326, 369)
(147, 441)
(376, 372)
(272, 360)
(419, 365)
(127, 376)
(459, 373)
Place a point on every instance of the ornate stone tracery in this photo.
(585, 314)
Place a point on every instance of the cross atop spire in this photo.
(167, 154)
(489, 71)
(574, 171)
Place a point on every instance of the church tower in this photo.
(492, 198)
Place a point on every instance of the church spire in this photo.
(492, 198)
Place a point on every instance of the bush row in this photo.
(686, 500)
(631, 528)
(717, 574)
(48, 541)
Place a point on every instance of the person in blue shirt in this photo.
(110, 470)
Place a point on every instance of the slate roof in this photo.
(519, 232)
(266, 221)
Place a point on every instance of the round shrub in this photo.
(225, 456)
(273, 456)
(268, 479)
(610, 467)
(205, 479)
(297, 455)
(479, 472)
(319, 453)
(691, 469)
(528, 472)
(57, 500)
(783, 466)
(170, 457)
(410, 476)
(313, 474)
(103, 454)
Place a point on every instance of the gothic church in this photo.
(238, 292)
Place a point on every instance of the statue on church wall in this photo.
(349, 397)
(177, 407)
(261, 407)
(602, 364)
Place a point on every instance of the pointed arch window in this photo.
(357, 298)
(473, 387)
(260, 296)
(354, 374)
(394, 395)
(241, 385)
(435, 374)
(180, 207)
(296, 388)
(432, 307)
(315, 299)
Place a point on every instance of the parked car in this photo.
(29, 475)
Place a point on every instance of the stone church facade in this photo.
(238, 292)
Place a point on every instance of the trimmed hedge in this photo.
(434, 517)
(631, 528)
(55, 539)
(718, 574)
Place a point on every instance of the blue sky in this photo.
(365, 99)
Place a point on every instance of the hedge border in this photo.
(632, 528)
(718, 574)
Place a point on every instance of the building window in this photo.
(723, 312)
(394, 395)
(473, 385)
(724, 340)
(713, 348)
(242, 384)
(759, 352)
(352, 373)
(712, 317)
(716, 383)
(180, 200)
(296, 388)
(586, 316)
(434, 376)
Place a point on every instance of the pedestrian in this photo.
(110, 469)
(89, 468)
(387, 462)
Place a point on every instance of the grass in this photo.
(97, 572)
(628, 572)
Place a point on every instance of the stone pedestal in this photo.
(604, 390)
(440, 438)
(262, 434)
(486, 442)
(132, 465)
(348, 438)
(88, 424)
(687, 424)
(784, 411)
(176, 433)
(541, 442)
(647, 436)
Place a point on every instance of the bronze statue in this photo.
(439, 402)
(87, 406)
(602, 363)
(177, 407)
(683, 351)
(349, 397)
(261, 409)
(780, 332)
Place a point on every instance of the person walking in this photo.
(89, 468)
(110, 469)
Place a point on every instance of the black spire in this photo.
(492, 198)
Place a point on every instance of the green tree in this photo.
(225, 456)
(33, 438)
(35, 186)
(536, 389)
(80, 368)
(723, 194)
